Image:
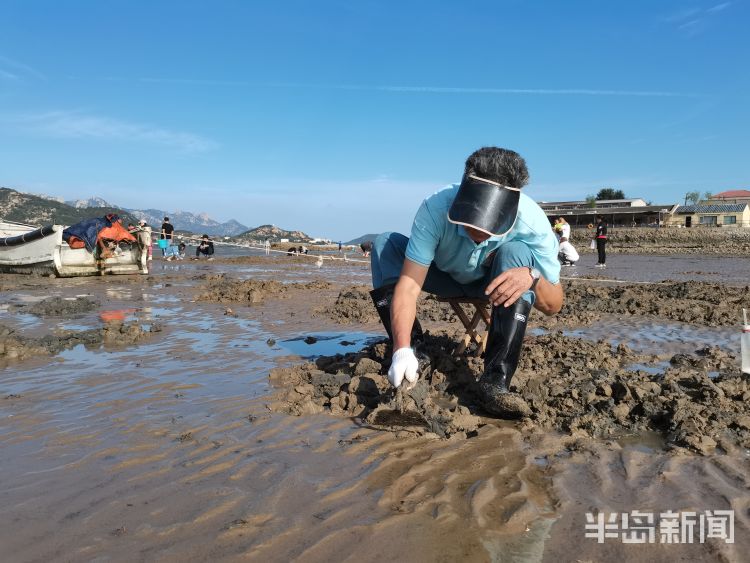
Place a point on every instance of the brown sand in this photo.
(165, 448)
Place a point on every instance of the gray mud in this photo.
(354, 305)
(61, 307)
(17, 346)
(571, 385)
(221, 288)
(702, 303)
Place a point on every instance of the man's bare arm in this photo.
(508, 287)
(549, 297)
(404, 305)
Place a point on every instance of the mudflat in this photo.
(238, 410)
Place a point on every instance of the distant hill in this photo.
(36, 210)
(84, 203)
(363, 238)
(198, 223)
(194, 222)
(272, 233)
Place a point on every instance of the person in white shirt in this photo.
(568, 255)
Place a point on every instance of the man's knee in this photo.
(388, 243)
(387, 257)
(514, 254)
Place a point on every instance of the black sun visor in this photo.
(485, 205)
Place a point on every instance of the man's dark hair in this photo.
(166, 218)
(499, 165)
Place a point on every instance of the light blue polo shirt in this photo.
(435, 239)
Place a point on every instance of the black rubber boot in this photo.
(382, 298)
(501, 356)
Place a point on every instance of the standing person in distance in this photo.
(166, 234)
(601, 240)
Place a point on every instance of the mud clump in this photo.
(354, 305)
(223, 289)
(60, 307)
(690, 302)
(583, 388)
(16, 346)
(355, 385)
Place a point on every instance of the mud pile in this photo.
(224, 289)
(586, 388)
(16, 346)
(353, 385)
(670, 240)
(702, 303)
(60, 307)
(572, 385)
(354, 305)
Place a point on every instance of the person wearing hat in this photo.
(145, 229)
(479, 238)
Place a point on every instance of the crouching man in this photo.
(479, 238)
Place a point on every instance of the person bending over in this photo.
(479, 238)
(568, 254)
(206, 247)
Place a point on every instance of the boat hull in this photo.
(49, 255)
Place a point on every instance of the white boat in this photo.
(25, 249)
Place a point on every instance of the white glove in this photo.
(403, 365)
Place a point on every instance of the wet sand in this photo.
(170, 447)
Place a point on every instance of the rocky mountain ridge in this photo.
(272, 233)
(44, 209)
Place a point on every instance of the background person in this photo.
(601, 241)
(480, 238)
(206, 247)
(167, 229)
(568, 255)
(366, 248)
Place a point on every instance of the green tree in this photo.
(610, 193)
(692, 198)
(591, 200)
(707, 196)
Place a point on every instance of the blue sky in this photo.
(338, 118)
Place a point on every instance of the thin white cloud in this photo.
(682, 15)
(7, 75)
(689, 24)
(532, 91)
(425, 89)
(695, 20)
(16, 70)
(65, 124)
(490, 91)
(719, 7)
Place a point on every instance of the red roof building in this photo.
(733, 194)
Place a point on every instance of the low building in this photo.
(712, 215)
(730, 196)
(617, 212)
(600, 204)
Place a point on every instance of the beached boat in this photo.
(26, 249)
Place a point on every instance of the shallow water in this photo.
(166, 450)
(650, 268)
